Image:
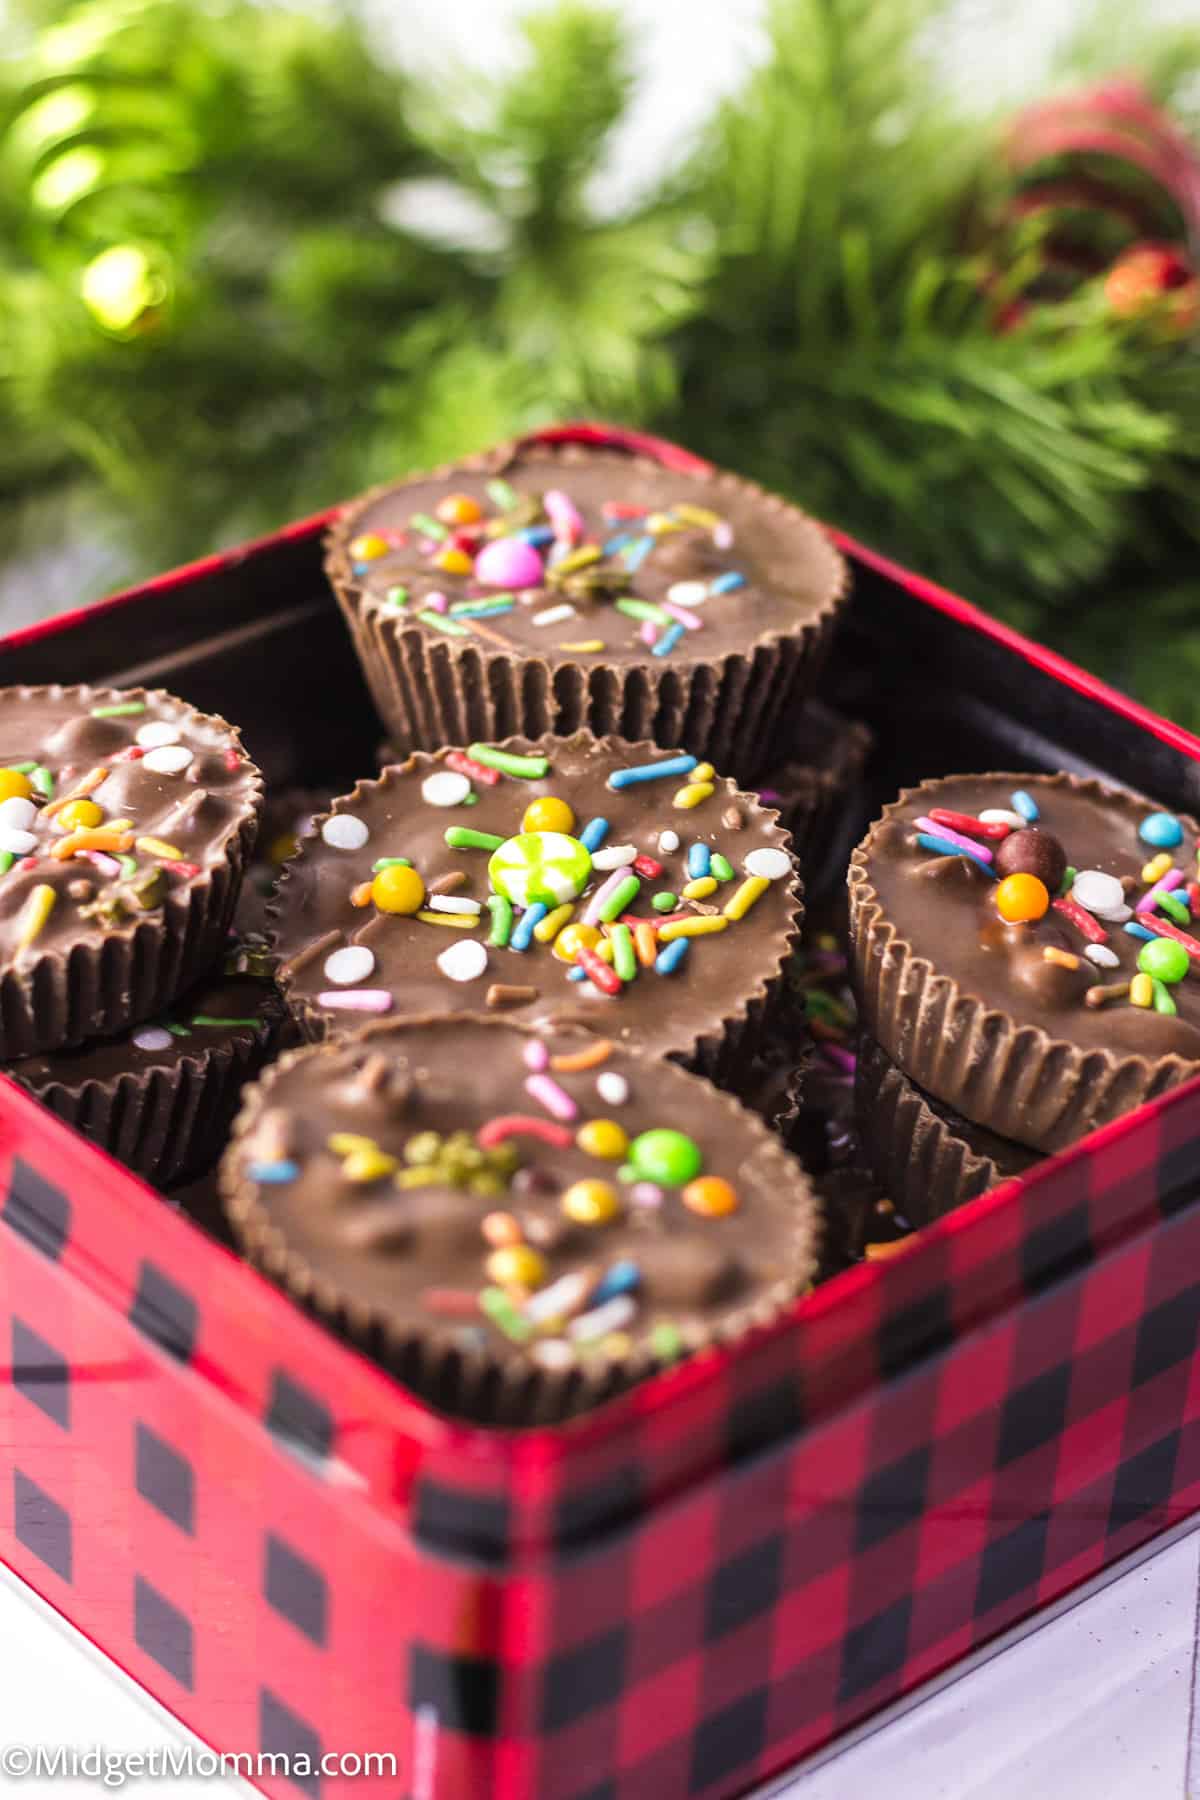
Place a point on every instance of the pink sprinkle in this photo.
(692, 620)
(428, 547)
(1149, 899)
(970, 845)
(645, 1193)
(436, 603)
(107, 865)
(841, 1059)
(557, 1102)
(563, 514)
(723, 536)
(592, 914)
(373, 1000)
(537, 1057)
(649, 633)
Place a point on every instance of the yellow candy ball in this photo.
(548, 814)
(710, 1196)
(398, 889)
(14, 785)
(453, 561)
(1020, 898)
(367, 547)
(566, 944)
(516, 1265)
(80, 815)
(603, 1137)
(591, 1202)
(459, 509)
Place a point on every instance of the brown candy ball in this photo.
(1032, 852)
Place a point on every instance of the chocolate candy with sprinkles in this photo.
(516, 1223)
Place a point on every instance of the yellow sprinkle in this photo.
(699, 927)
(38, 908)
(693, 794)
(1157, 867)
(660, 523)
(369, 1165)
(152, 846)
(604, 950)
(696, 515)
(548, 928)
(347, 1143)
(578, 559)
(750, 891)
(586, 648)
(457, 921)
(1141, 990)
(701, 888)
(703, 772)
(1065, 960)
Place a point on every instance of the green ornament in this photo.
(1164, 959)
(668, 1158)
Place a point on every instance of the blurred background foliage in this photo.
(249, 263)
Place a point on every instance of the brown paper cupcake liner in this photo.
(1022, 1083)
(818, 791)
(926, 1162)
(57, 999)
(430, 691)
(472, 1383)
(725, 1055)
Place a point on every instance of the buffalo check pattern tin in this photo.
(680, 1594)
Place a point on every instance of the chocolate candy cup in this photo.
(404, 1266)
(724, 690)
(818, 791)
(971, 1009)
(81, 976)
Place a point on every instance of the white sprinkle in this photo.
(343, 831)
(559, 1300)
(1117, 916)
(170, 759)
(1093, 889)
(1102, 956)
(17, 814)
(614, 856)
(156, 733)
(555, 615)
(612, 1316)
(464, 961)
(612, 1088)
(346, 967)
(446, 788)
(668, 841)
(452, 903)
(553, 1353)
(688, 593)
(17, 843)
(774, 864)
(153, 1037)
(999, 815)
(723, 536)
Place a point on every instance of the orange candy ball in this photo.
(459, 509)
(710, 1196)
(1021, 898)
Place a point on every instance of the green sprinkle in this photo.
(526, 768)
(501, 495)
(482, 609)
(502, 920)
(471, 799)
(1174, 909)
(624, 955)
(627, 1173)
(1068, 881)
(1163, 1002)
(504, 1315)
(461, 837)
(396, 598)
(664, 902)
(177, 1030)
(438, 622)
(665, 1341)
(209, 1019)
(720, 867)
(127, 710)
(7, 859)
(620, 898)
(391, 862)
(128, 865)
(23, 768)
(431, 528)
(644, 609)
(43, 781)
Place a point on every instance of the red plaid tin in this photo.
(688, 1590)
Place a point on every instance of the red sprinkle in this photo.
(134, 753)
(972, 827)
(647, 867)
(1193, 894)
(1081, 919)
(466, 765)
(450, 1303)
(598, 972)
(233, 761)
(28, 862)
(657, 920)
(522, 1125)
(1164, 928)
(183, 868)
(622, 509)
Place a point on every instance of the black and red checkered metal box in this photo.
(692, 1588)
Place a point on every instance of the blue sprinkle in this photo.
(668, 640)
(621, 1278)
(576, 974)
(1026, 805)
(271, 1172)
(699, 861)
(617, 543)
(637, 553)
(1139, 931)
(360, 568)
(674, 765)
(1163, 830)
(725, 584)
(522, 934)
(594, 834)
(537, 535)
(669, 959)
(942, 848)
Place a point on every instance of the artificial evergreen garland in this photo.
(973, 342)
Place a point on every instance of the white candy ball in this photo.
(17, 814)
(346, 967)
(17, 843)
(1102, 956)
(464, 961)
(157, 733)
(774, 864)
(668, 842)
(688, 593)
(612, 1088)
(1097, 892)
(343, 831)
(171, 759)
(153, 1037)
(445, 788)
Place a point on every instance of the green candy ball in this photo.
(1164, 959)
(666, 1157)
